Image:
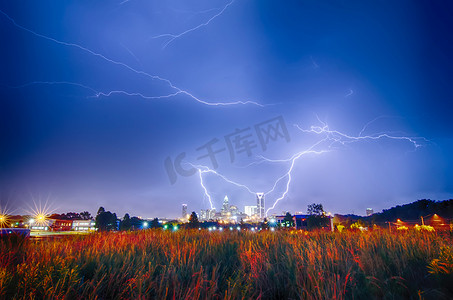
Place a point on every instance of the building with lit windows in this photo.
(250, 210)
(83, 225)
(260, 205)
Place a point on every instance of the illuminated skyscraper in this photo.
(225, 206)
(184, 211)
(260, 205)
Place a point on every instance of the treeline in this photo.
(72, 216)
(408, 212)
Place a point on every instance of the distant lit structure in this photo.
(210, 214)
(260, 205)
(83, 225)
(369, 211)
(203, 215)
(3, 220)
(225, 207)
(61, 225)
(234, 210)
(250, 210)
(184, 211)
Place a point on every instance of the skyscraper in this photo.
(203, 215)
(184, 211)
(225, 206)
(260, 205)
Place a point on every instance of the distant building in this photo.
(184, 211)
(369, 211)
(250, 210)
(234, 210)
(301, 221)
(210, 214)
(226, 206)
(260, 205)
(61, 225)
(203, 215)
(83, 225)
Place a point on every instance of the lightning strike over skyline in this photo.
(96, 113)
(330, 137)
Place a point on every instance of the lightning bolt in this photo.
(342, 138)
(329, 138)
(173, 37)
(98, 94)
(177, 90)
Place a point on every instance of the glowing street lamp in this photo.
(3, 220)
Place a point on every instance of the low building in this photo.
(83, 225)
(300, 221)
(61, 225)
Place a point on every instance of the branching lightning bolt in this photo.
(173, 37)
(178, 91)
(342, 138)
(329, 137)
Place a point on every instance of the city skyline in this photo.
(148, 106)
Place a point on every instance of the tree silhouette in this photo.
(155, 223)
(105, 220)
(85, 215)
(126, 222)
(288, 220)
(193, 220)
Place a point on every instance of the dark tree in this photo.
(193, 220)
(113, 225)
(100, 210)
(155, 223)
(126, 222)
(136, 223)
(84, 215)
(288, 220)
(317, 221)
(105, 220)
(317, 218)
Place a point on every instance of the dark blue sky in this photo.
(80, 123)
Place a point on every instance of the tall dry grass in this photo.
(157, 264)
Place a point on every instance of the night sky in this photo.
(99, 98)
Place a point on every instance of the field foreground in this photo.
(229, 265)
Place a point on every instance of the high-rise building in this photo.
(234, 210)
(369, 211)
(203, 215)
(225, 206)
(250, 210)
(260, 205)
(184, 211)
(210, 214)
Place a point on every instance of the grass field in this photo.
(229, 265)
